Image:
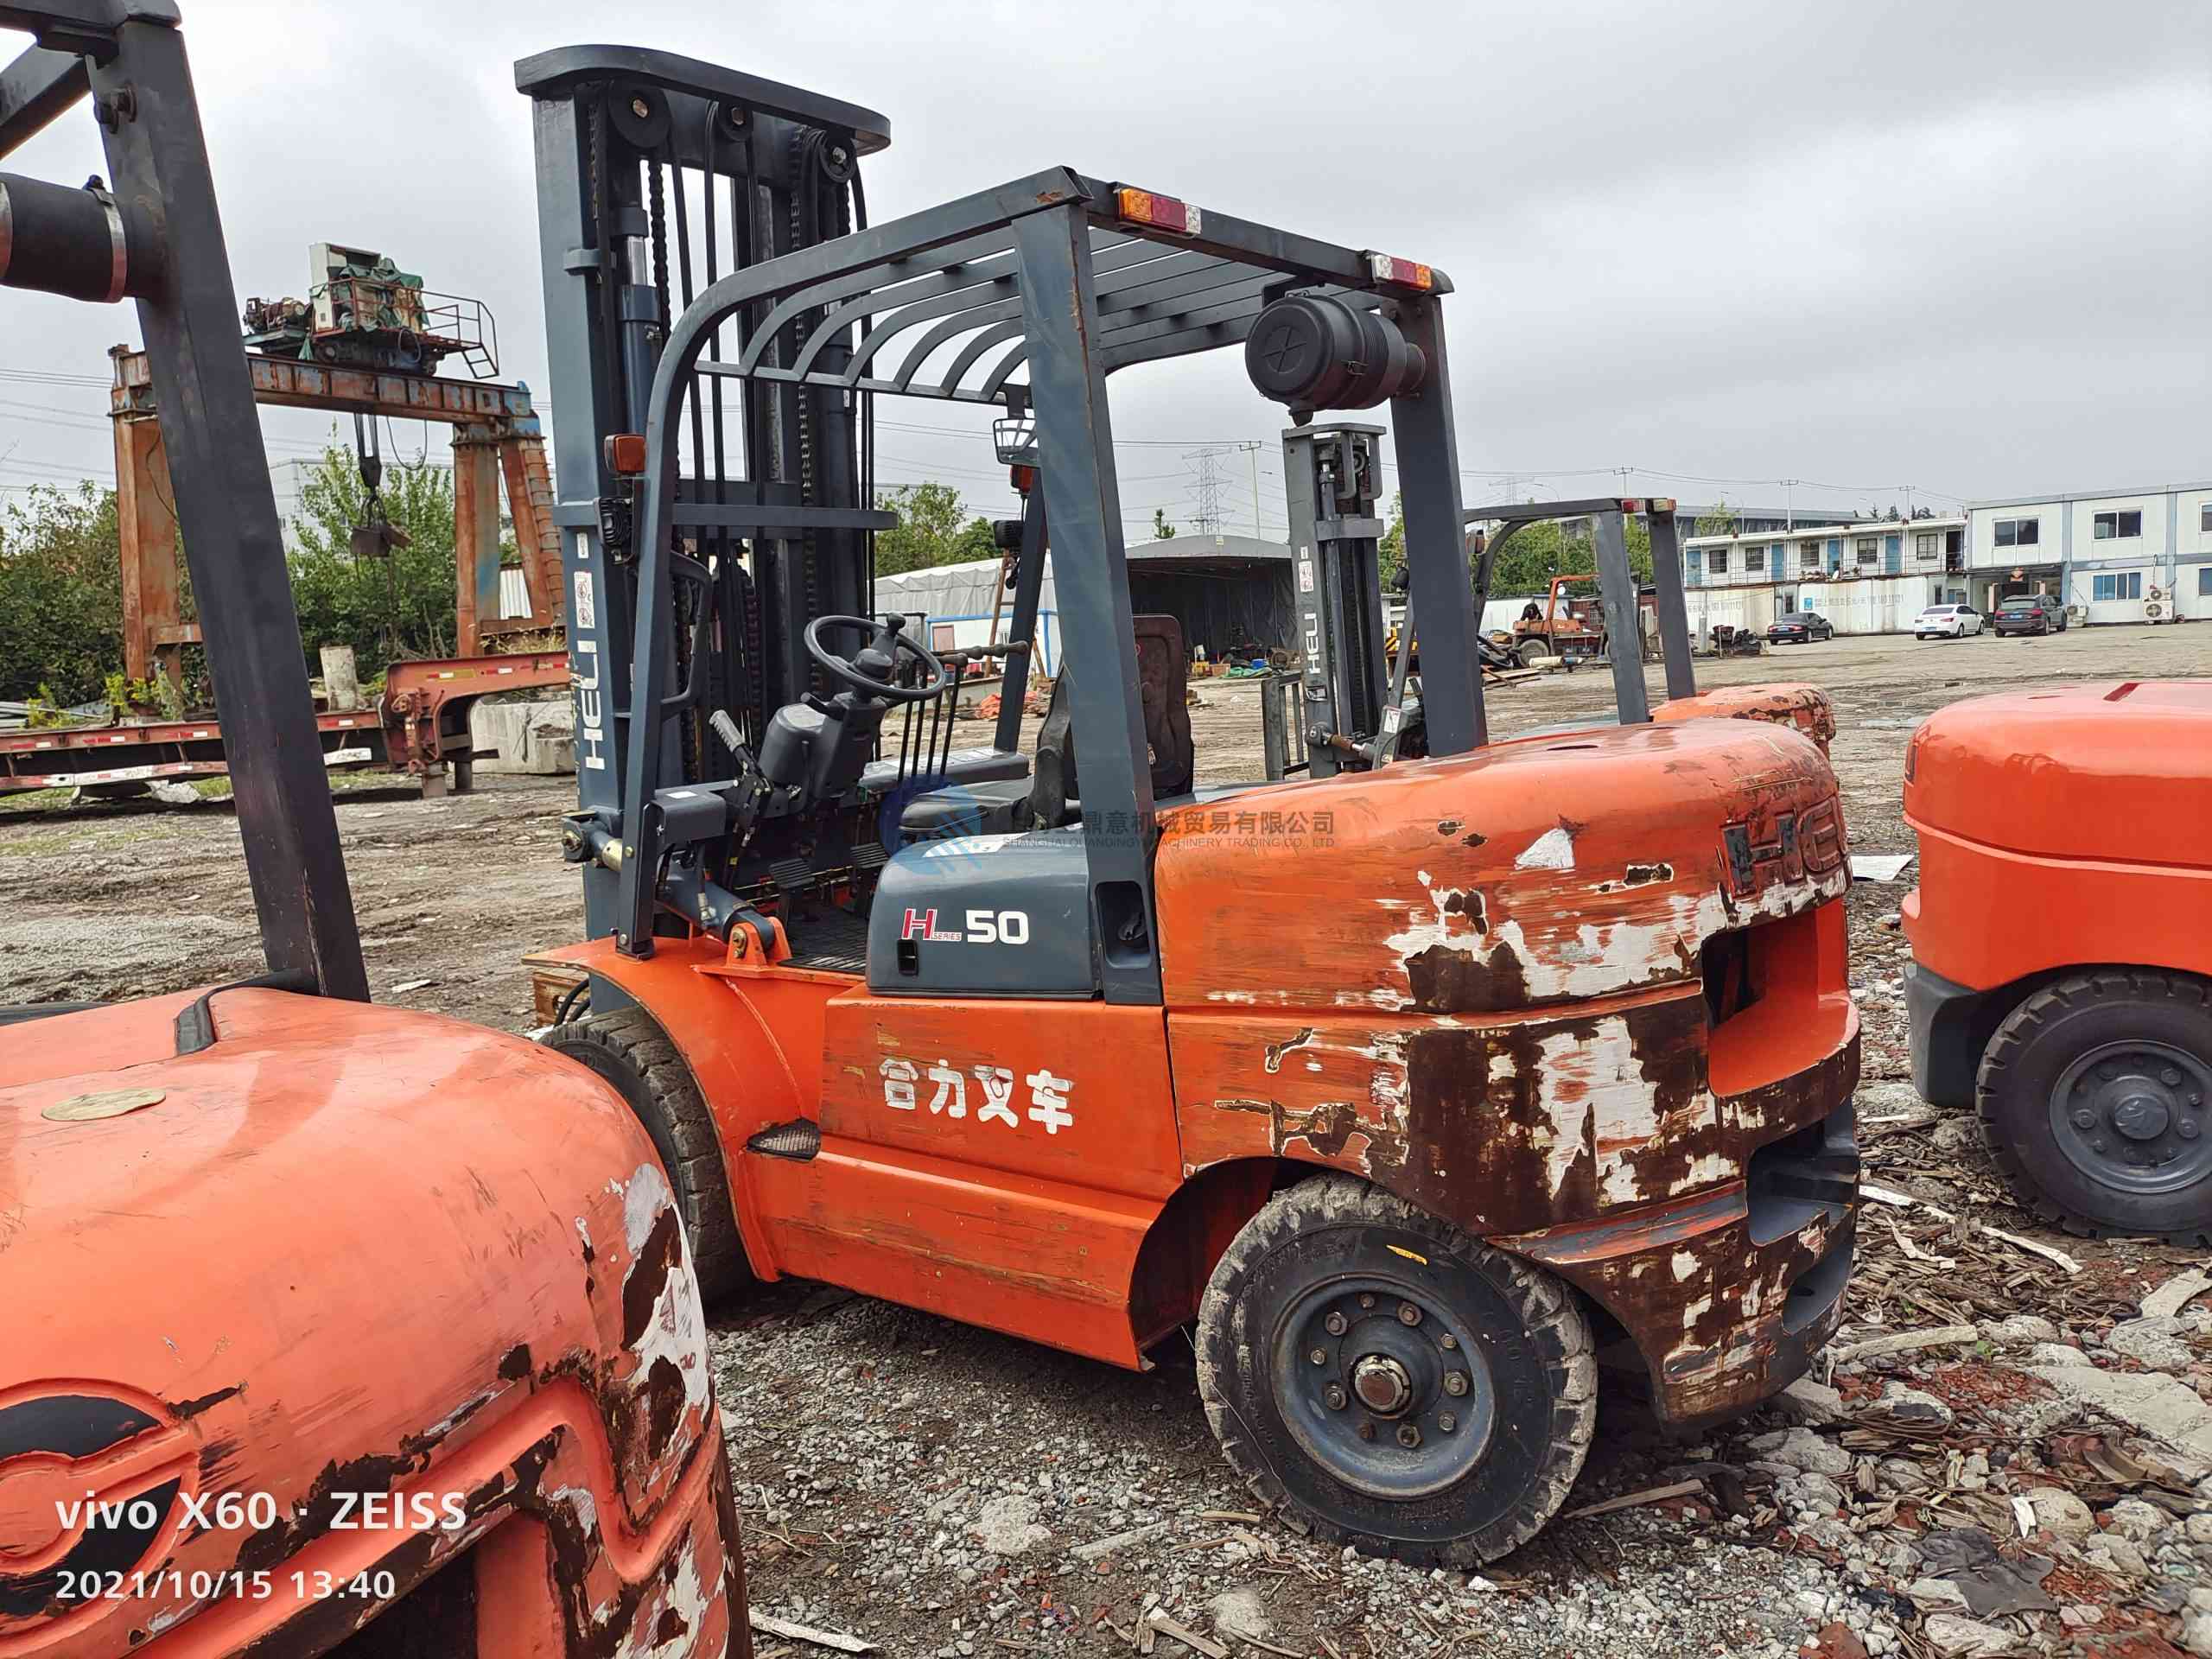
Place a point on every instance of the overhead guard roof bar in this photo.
(1047, 268)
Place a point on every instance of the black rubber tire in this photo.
(2026, 1059)
(629, 1049)
(1539, 1355)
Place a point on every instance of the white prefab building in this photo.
(2127, 555)
(1864, 576)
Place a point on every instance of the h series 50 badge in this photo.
(985, 927)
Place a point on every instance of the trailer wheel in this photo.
(2095, 1097)
(629, 1049)
(1391, 1382)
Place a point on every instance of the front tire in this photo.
(630, 1050)
(2095, 1097)
(1455, 1391)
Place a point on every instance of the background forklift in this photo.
(2061, 980)
(369, 1331)
(1412, 1083)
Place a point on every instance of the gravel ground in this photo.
(941, 1490)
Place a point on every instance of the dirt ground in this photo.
(935, 1490)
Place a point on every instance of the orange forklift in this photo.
(2061, 980)
(329, 1328)
(1415, 1085)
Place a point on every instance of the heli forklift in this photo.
(329, 1328)
(1412, 1083)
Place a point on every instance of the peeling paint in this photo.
(1552, 850)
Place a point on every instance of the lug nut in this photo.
(1447, 1422)
(639, 108)
(1450, 1342)
(1455, 1383)
(1319, 1356)
(1366, 1300)
(2085, 1120)
(1335, 1324)
(1336, 1397)
(2097, 1145)
(2170, 1078)
(1408, 1436)
(1367, 1431)
(2187, 1129)
(2107, 1071)
(1409, 1314)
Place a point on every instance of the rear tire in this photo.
(629, 1049)
(1497, 1349)
(2095, 1097)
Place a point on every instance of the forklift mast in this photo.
(152, 234)
(659, 176)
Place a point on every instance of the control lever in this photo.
(725, 729)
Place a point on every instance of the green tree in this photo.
(1721, 521)
(930, 531)
(1391, 551)
(388, 608)
(60, 594)
(1161, 530)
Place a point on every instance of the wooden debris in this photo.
(1905, 1342)
(2034, 1247)
(1157, 1619)
(836, 1641)
(2177, 1293)
(1633, 1500)
(1245, 1515)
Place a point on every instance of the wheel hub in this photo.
(2130, 1115)
(1383, 1383)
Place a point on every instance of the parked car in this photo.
(1799, 628)
(2029, 613)
(1946, 622)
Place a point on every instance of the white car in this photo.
(1946, 622)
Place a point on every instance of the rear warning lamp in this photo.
(1162, 213)
(1405, 273)
(626, 455)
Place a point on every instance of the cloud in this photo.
(1962, 246)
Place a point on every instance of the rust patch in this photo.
(1326, 1128)
(1444, 981)
(1638, 875)
(1488, 1156)
(185, 1410)
(1276, 1051)
(514, 1364)
(1450, 827)
(657, 1259)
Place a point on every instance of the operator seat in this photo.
(1048, 798)
(1163, 690)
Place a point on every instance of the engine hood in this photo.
(339, 1250)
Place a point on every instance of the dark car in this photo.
(1799, 628)
(2029, 613)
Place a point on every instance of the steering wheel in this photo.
(872, 670)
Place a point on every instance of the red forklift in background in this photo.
(2061, 980)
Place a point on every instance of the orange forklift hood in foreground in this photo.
(2063, 827)
(266, 1283)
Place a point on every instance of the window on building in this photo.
(2018, 532)
(1867, 549)
(1717, 560)
(1951, 541)
(1923, 545)
(2119, 584)
(2204, 577)
(1809, 556)
(2205, 517)
(1755, 561)
(2117, 526)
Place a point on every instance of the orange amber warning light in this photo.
(1162, 213)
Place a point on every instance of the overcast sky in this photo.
(1964, 247)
